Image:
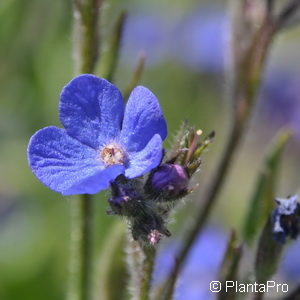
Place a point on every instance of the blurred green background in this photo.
(36, 62)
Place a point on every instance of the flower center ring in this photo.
(112, 154)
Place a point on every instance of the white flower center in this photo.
(112, 154)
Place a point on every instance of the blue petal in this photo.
(67, 166)
(97, 182)
(143, 118)
(91, 109)
(145, 160)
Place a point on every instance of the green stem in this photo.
(86, 34)
(140, 263)
(81, 238)
(134, 258)
(110, 57)
(148, 264)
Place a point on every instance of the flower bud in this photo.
(123, 197)
(286, 219)
(169, 181)
(117, 204)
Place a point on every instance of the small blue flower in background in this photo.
(146, 32)
(196, 39)
(201, 39)
(280, 96)
(280, 100)
(201, 267)
(99, 141)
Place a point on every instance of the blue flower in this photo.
(99, 141)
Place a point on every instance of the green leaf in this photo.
(110, 55)
(229, 267)
(268, 254)
(262, 200)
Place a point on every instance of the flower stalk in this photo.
(140, 264)
(133, 262)
(148, 265)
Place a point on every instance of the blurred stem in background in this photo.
(86, 49)
(110, 57)
(249, 47)
(111, 266)
(81, 245)
(136, 76)
(86, 35)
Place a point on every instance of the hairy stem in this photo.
(140, 264)
(148, 264)
(134, 262)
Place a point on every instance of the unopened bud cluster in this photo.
(146, 202)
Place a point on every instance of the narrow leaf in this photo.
(268, 254)
(229, 267)
(136, 76)
(110, 55)
(261, 202)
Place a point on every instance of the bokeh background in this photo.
(186, 48)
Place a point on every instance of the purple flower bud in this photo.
(169, 180)
(118, 201)
(122, 195)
